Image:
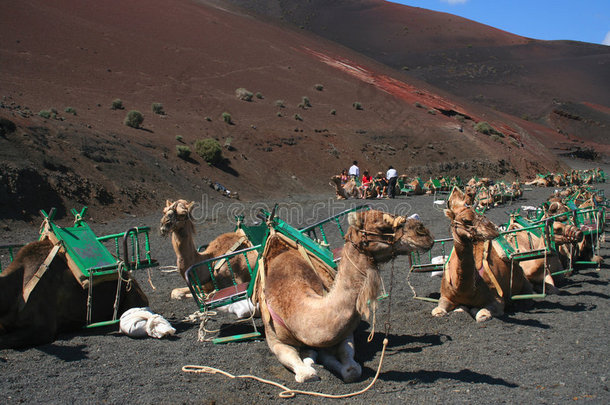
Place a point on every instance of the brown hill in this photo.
(520, 76)
(73, 59)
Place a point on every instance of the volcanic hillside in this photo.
(315, 106)
(560, 84)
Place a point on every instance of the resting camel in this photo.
(58, 303)
(349, 189)
(301, 312)
(534, 269)
(177, 222)
(466, 279)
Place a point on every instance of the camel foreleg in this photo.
(343, 363)
(289, 357)
(443, 308)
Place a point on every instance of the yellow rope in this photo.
(287, 392)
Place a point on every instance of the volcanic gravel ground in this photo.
(553, 350)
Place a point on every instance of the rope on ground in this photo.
(287, 392)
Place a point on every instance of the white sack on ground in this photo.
(142, 322)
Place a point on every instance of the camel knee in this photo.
(181, 293)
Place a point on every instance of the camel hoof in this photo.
(306, 374)
(461, 308)
(438, 312)
(351, 372)
(551, 289)
(483, 315)
(598, 259)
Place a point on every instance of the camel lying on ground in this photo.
(348, 190)
(477, 275)
(301, 311)
(538, 271)
(177, 221)
(58, 303)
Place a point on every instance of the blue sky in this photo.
(580, 20)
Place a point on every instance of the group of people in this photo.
(380, 186)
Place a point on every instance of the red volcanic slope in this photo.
(191, 57)
(521, 76)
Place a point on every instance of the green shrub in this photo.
(208, 119)
(259, 95)
(318, 87)
(45, 114)
(484, 128)
(70, 110)
(183, 151)
(333, 112)
(157, 108)
(305, 101)
(179, 138)
(134, 119)
(226, 117)
(117, 104)
(280, 103)
(209, 149)
(298, 117)
(279, 114)
(357, 105)
(418, 104)
(244, 94)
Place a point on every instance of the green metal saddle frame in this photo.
(89, 259)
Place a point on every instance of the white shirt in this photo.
(354, 171)
(391, 173)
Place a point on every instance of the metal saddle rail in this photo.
(11, 250)
(423, 263)
(220, 295)
(521, 253)
(136, 255)
(312, 230)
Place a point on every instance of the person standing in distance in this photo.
(392, 176)
(354, 170)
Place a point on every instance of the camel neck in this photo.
(462, 271)
(184, 247)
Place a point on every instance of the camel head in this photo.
(176, 216)
(383, 236)
(466, 223)
(555, 208)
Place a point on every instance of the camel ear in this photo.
(449, 214)
(189, 206)
(354, 219)
(168, 203)
(456, 195)
(553, 207)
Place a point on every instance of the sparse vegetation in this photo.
(279, 114)
(432, 111)
(418, 104)
(179, 138)
(70, 110)
(484, 128)
(117, 104)
(134, 119)
(280, 103)
(305, 103)
(157, 108)
(244, 94)
(226, 117)
(209, 149)
(183, 151)
(298, 117)
(318, 87)
(333, 112)
(47, 114)
(259, 95)
(357, 105)
(208, 119)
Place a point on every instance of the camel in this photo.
(466, 279)
(540, 182)
(301, 312)
(349, 189)
(58, 303)
(534, 269)
(177, 221)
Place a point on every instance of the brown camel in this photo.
(534, 269)
(467, 279)
(301, 312)
(177, 221)
(58, 303)
(348, 190)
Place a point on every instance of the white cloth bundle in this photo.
(241, 309)
(142, 322)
